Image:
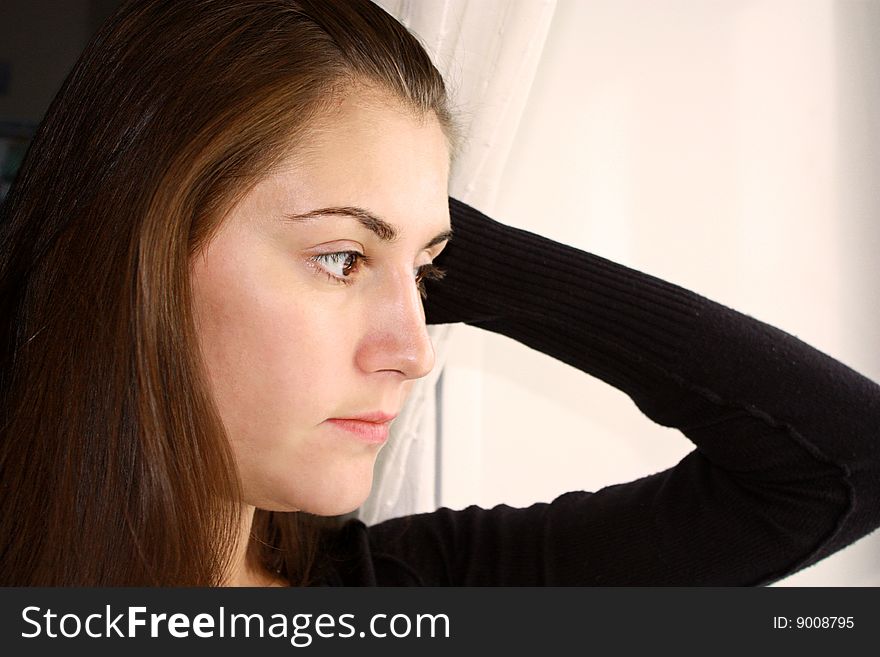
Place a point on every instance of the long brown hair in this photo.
(114, 466)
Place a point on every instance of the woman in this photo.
(213, 263)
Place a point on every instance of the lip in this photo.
(372, 428)
(377, 417)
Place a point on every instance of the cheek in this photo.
(274, 361)
(279, 363)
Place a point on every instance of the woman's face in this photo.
(300, 336)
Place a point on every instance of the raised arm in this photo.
(786, 468)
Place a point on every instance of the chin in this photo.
(336, 506)
(328, 500)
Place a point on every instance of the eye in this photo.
(428, 273)
(340, 265)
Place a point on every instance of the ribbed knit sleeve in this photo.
(786, 465)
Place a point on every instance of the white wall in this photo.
(719, 145)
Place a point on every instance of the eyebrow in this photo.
(383, 230)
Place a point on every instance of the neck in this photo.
(243, 572)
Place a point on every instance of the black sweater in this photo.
(786, 468)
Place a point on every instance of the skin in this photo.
(288, 346)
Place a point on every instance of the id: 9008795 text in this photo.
(813, 623)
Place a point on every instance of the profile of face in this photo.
(308, 309)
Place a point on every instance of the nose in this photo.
(397, 338)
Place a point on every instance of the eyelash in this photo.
(430, 272)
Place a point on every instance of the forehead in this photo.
(370, 152)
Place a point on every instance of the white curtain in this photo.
(732, 148)
(487, 51)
